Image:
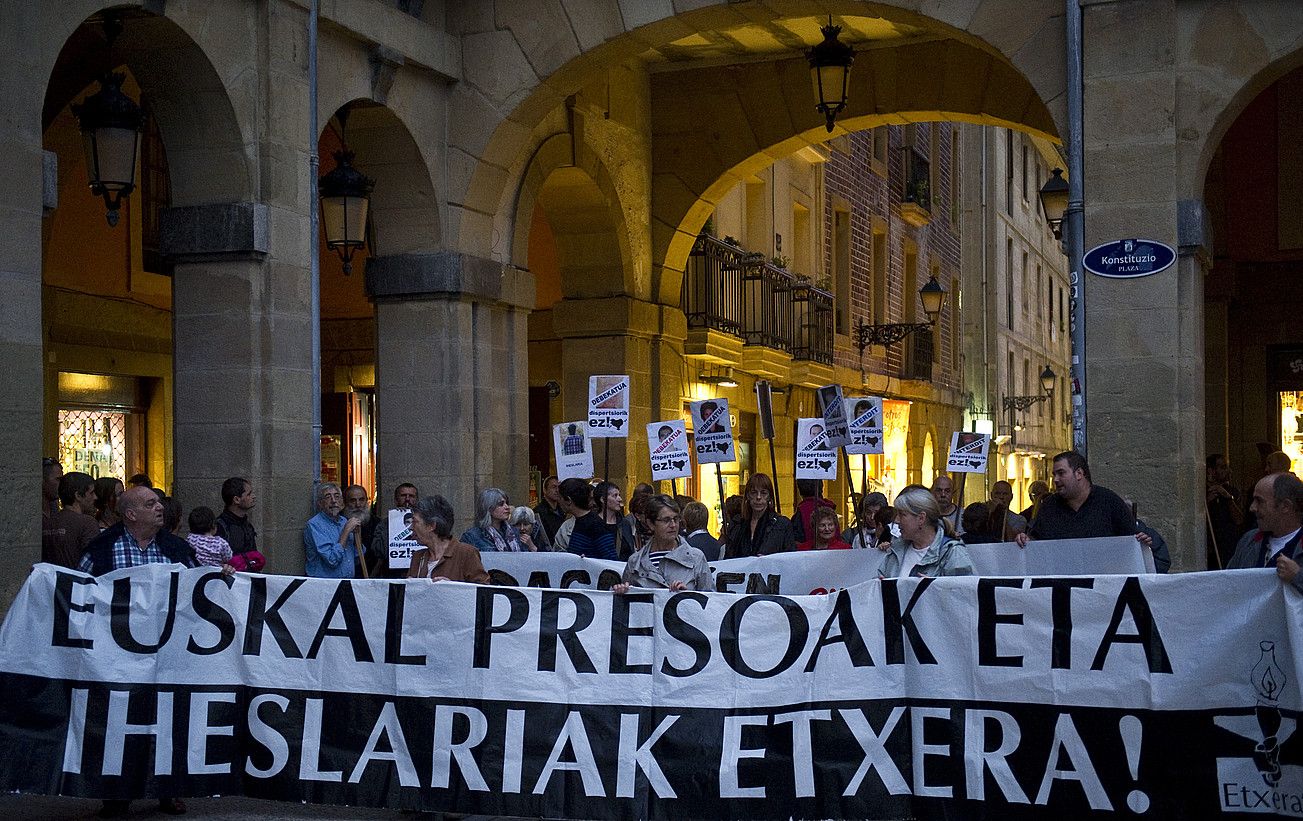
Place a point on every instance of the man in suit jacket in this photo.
(695, 517)
(1278, 504)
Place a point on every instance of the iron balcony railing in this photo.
(812, 309)
(728, 289)
(712, 285)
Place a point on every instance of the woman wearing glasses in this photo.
(666, 561)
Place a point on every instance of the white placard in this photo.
(968, 452)
(608, 406)
(401, 540)
(864, 416)
(835, 429)
(814, 458)
(713, 431)
(574, 451)
(667, 445)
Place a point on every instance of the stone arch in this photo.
(404, 209)
(1228, 56)
(577, 198)
(548, 57)
(207, 149)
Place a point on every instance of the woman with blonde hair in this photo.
(927, 545)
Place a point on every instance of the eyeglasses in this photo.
(671, 520)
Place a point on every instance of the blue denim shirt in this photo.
(324, 557)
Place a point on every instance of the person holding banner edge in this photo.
(441, 559)
(666, 561)
(927, 545)
(760, 530)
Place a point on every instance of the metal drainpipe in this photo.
(1074, 220)
(314, 258)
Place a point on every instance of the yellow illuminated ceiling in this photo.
(777, 37)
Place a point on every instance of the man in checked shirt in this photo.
(138, 539)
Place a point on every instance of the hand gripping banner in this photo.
(1128, 696)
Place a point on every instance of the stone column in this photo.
(20, 341)
(452, 367)
(243, 370)
(1144, 337)
(622, 335)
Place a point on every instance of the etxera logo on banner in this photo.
(1128, 258)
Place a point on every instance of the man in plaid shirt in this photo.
(138, 539)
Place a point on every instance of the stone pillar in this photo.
(452, 369)
(20, 341)
(1144, 337)
(243, 370)
(615, 335)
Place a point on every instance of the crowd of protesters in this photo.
(104, 524)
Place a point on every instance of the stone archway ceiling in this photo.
(775, 37)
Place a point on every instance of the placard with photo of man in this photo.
(815, 458)
(401, 540)
(864, 418)
(574, 451)
(667, 444)
(833, 408)
(712, 431)
(968, 452)
(608, 406)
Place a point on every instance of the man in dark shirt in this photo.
(1079, 509)
(73, 527)
(233, 523)
(549, 511)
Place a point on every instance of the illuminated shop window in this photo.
(93, 442)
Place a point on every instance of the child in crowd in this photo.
(210, 549)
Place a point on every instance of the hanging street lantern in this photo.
(345, 200)
(111, 124)
(830, 71)
(1048, 378)
(1054, 201)
(932, 295)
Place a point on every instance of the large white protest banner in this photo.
(865, 419)
(819, 571)
(712, 430)
(401, 540)
(815, 457)
(608, 406)
(667, 445)
(1066, 697)
(573, 449)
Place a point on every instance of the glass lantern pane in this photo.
(116, 151)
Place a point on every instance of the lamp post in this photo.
(345, 201)
(1054, 201)
(1017, 404)
(111, 123)
(932, 294)
(830, 71)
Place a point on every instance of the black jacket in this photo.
(773, 535)
(101, 549)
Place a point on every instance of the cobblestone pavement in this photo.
(44, 808)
